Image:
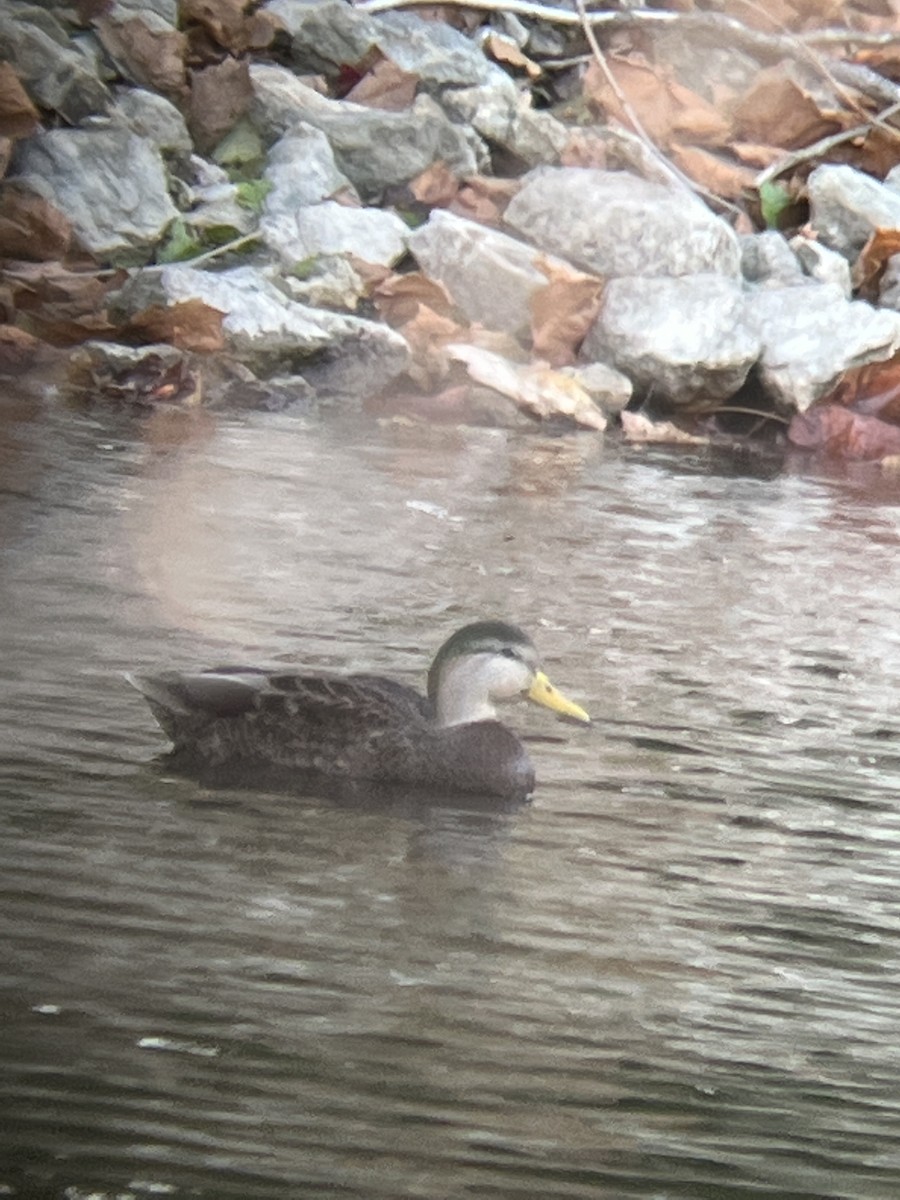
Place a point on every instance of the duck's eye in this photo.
(508, 652)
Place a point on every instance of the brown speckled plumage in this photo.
(355, 726)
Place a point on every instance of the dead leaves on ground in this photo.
(439, 336)
(859, 420)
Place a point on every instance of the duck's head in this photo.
(486, 663)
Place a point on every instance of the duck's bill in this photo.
(543, 692)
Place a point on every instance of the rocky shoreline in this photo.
(314, 203)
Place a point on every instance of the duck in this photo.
(368, 727)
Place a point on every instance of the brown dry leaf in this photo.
(585, 149)
(638, 428)
(224, 21)
(18, 116)
(755, 154)
(873, 390)
(400, 298)
(666, 108)
(18, 350)
(504, 50)
(838, 432)
(428, 333)
(535, 387)
(872, 260)
(31, 228)
(62, 307)
(484, 200)
(875, 153)
(153, 58)
(713, 172)
(385, 86)
(189, 325)
(563, 311)
(437, 186)
(220, 95)
(6, 149)
(779, 111)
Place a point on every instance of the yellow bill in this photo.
(543, 692)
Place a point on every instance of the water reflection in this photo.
(674, 974)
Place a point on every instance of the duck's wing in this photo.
(181, 700)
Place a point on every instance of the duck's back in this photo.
(363, 726)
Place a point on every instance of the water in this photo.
(673, 974)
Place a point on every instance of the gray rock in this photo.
(153, 117)
(505, 118)
(110, 184)
(299, 219)
(608, 388)
(490, 275)
(682, 340)
(369, 234)
(301, 169)
(846, 207)
(822, 264)
(437, 53)
(215, 207)
(613, 223)
(166, 9)
(326, 35)
(806, 346)
(54, 76)
(374, 149)
(328, 282)
(344, 358)
(767, 258)
(889, 293)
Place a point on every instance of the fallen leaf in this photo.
(31, 228)
(399, 298)
(873, 389)
(838, 432)
(721, 176)
(152, 380)
(62, 307)
(872, 259)
(563, 311)
(779, 110)
(18, 116)
(18, 350)
(585, 149)
(484, 200)
(539, 390)
(638, 428)
(504, 50)
(227, 25)
(428, 334)
(385, 86)
(220, 95)
(189, 325)
(666, 108)
(436, 187)
(147, 56)
(756, 154)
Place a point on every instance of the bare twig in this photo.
(218, 251)
(669, 169)
(823, 145)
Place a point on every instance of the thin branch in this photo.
(672, 172)
(824, 145)
(523, 8)
(218, 251)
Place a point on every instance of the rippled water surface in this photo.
(675, 973)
